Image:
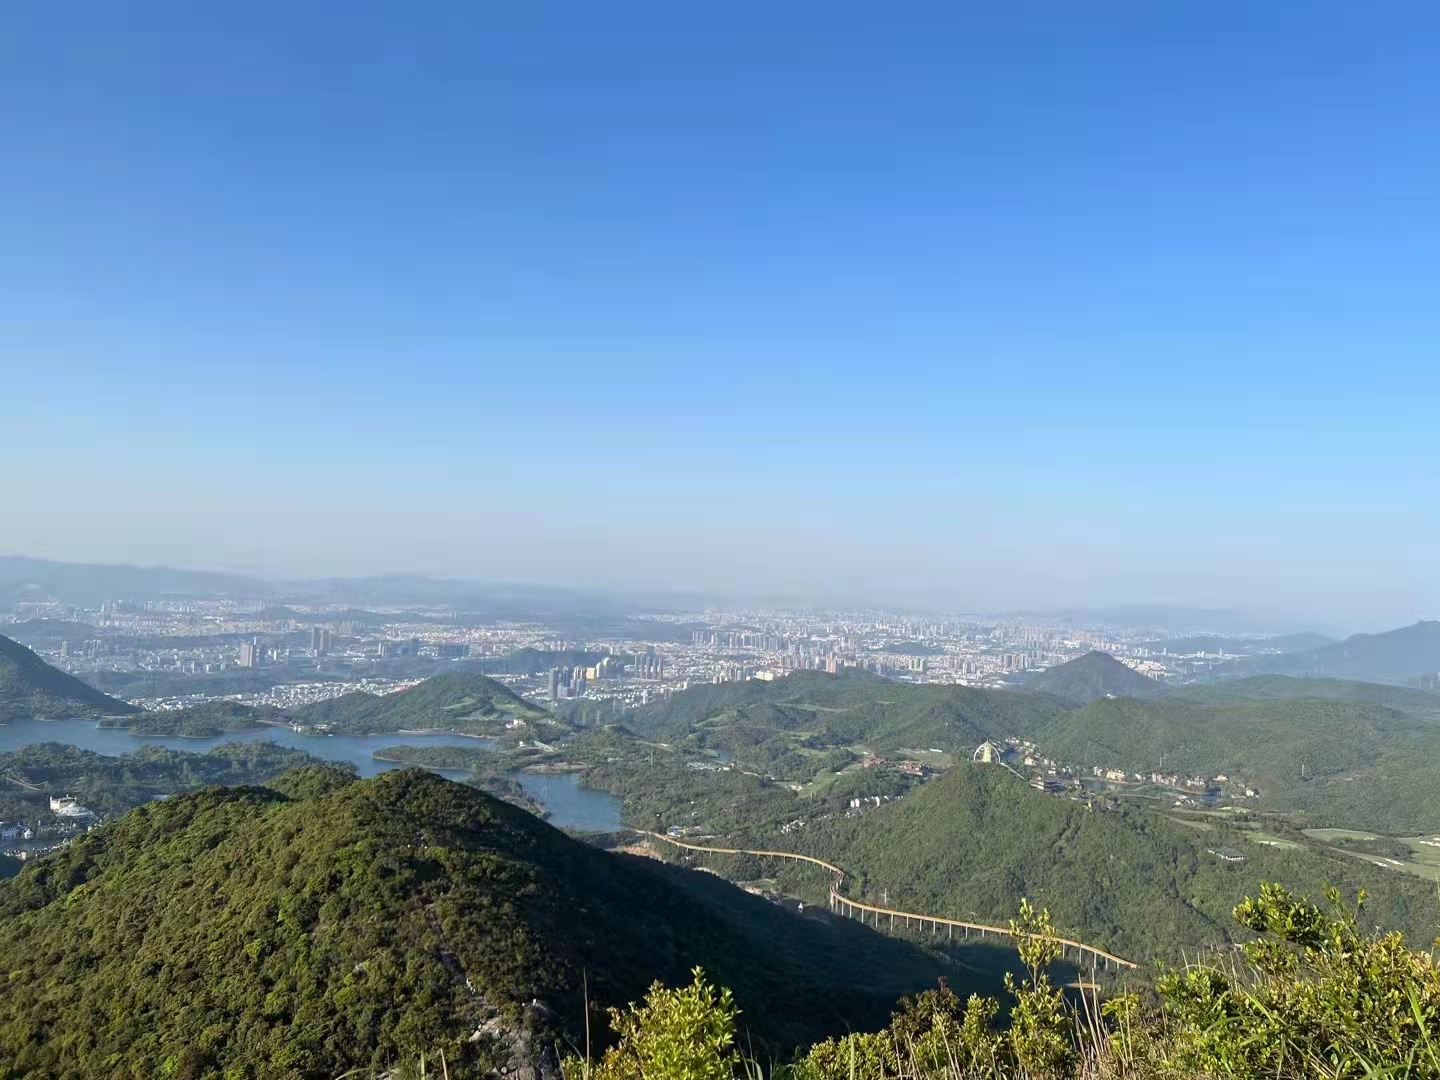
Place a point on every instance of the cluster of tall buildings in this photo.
(90, 648)
(573, 681)
(741, 639)
(567, 682)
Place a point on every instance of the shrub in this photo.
(1311, 997)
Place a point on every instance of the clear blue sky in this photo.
(988, 305)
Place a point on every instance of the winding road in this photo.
(844, 905)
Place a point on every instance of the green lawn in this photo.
(1339, 834)
(1271, 840)
(1425, 862)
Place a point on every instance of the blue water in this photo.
(112, 742)
(571, 806)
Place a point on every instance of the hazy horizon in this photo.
(1181, 615)
(961, 309)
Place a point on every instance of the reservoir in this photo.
(571, 806)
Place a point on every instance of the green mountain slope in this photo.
(323, 924)
(1094, 675)
(459, 701)
(837, 710)
(976, 840)
(1424, 704)
(1345, 763)
(30, 687)
(1346, 753)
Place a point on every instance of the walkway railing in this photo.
(844, 905)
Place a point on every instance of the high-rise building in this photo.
(249, 654)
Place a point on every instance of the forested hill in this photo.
(459, 701)
(973, 842)
(29, 687)
(323, 924)
(1396, 656)
(1094, 675)
(206, 720)
(1348, 754)
(1422, 704)
(849, 708)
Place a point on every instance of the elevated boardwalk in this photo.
(856, 909)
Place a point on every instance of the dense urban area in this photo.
(304, 654)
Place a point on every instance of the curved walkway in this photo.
(844, 905)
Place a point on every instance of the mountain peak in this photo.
(1094, 675)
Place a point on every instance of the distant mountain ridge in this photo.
(29, 687)
(1094, 675)
(23, 578)
(1394, 656)
(1281, 643)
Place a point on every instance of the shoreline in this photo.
(183, 734)
(434, 731)
(552, 768)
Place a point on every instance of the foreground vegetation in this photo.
(1312, 997)
(321, 923)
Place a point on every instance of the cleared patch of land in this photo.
(1340, 834)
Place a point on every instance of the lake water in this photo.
(571, 806)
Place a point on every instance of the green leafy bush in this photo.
(1312, 997)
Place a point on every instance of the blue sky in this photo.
(983, 305)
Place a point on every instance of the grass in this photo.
(1424, 863)
(1340, 834)
(1426, 860)
(1189, 822)
(1261, 837)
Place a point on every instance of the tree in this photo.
(687, 1033)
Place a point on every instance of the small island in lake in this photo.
(204, 721)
